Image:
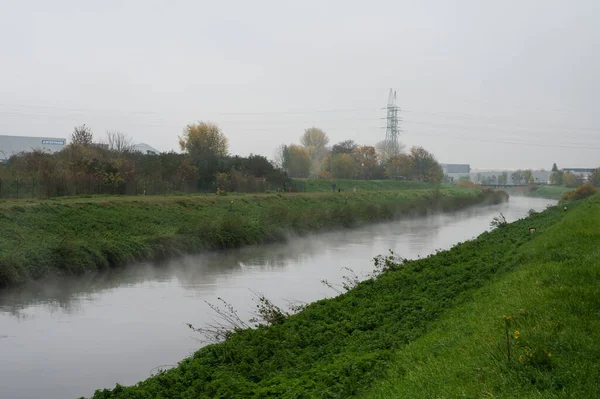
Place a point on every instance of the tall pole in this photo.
(392, 130)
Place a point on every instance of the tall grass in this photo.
(535, 191)
(324, 185)
(72, 236)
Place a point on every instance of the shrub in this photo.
(498, 222)
(587, 190)
(324, 175)
(466, 184)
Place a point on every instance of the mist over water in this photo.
(67, 337)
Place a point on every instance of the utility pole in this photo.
(392, 147)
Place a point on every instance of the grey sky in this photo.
(476, 79)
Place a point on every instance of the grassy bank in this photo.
(382, 334)
(551, 303)
(550, 192)
(324, 185)
(70, 236)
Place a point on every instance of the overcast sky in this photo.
(497, 84)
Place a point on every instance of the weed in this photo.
(498, 222)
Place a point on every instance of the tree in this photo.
(344, 147)
(279, 157)
(185, 173)
(315, 141)
(557, 178)
(425, 166)
(366, 161)
(343, 166)
(119, 142)
(314, 137)
(527, 175)
(297, 162)
(384, 153)
(503, 178)
(82, 135)
(572, 181)
(594, 178)
(399, 167)
(516, 176)
(257, 165)
(554, 167)
(204, 140)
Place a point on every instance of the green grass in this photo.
(550, 192)
(353, 344)
(324, 185)
(73, 235)
(554, 300)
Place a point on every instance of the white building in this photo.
(455, 172)
(145, 149)
(11, 145)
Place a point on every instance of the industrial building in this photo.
(145, 149)
(582, 173)
(455, 171)
(11, 145)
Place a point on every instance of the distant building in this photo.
(582, 173)
(494, 177)
(541, 176)
(454, 172)
(11, 145)
(145, 149)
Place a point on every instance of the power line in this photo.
(82, 113)
(512, 142)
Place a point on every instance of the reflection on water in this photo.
(66, 337)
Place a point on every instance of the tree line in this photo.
(109, 165)
(569, 179)
(349, 160)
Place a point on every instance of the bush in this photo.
(324, 175)
(466, 184)
(587, 190)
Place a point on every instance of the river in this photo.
(65, 338)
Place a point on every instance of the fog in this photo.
(498, 85)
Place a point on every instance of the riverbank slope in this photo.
(325, 185)
(74, 235)
(534, 191)
(389, 331)
(530, 334)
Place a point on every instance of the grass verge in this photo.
(74, 235)
(324, 185)
(550, 192)
(546, 312)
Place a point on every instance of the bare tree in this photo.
(280, 155)
(82, 135)
(119, 142)
(385, 152)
